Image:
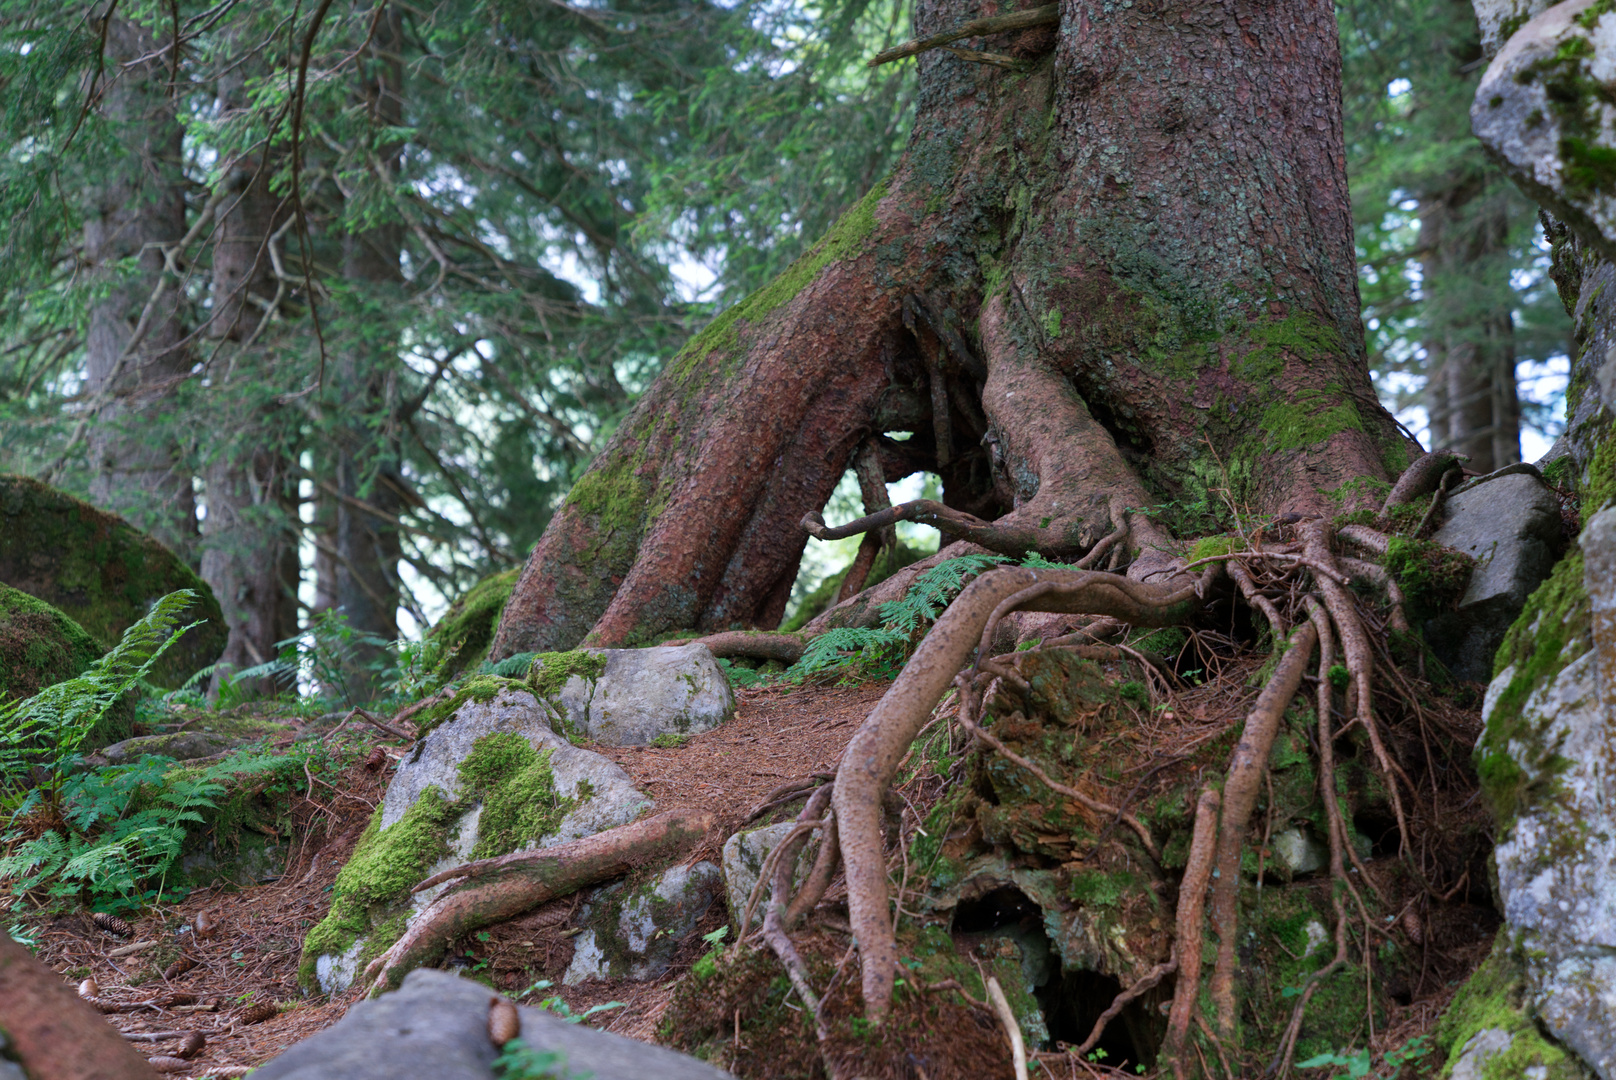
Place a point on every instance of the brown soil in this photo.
(777, 736)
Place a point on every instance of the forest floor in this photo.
(249, 957)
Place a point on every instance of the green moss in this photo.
(378, 876)
(1587, 166)
(481, 689)
(518, 793)
(1561, 472)
(1298, 336)
(1494, 997)
(1432, 577)
(467, 628)
(39, 645)
(550, 671)
(1293, 425)
(1554, 629)
(1208, 546)
(100, 571)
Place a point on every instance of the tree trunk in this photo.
(365, 488)
(1471, 392)
(1136, 266)
(134, 349)
(250, 556)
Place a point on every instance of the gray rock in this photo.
(436, 1026)
(1510, 525)
(1557, 859)
(1499, 19)
(633, 933)
(1299, 851)
(743, 859)
(606, 795)
(195, 743)
(1523, 114)
(643, 693)
(1484, 1045)
(610, 799)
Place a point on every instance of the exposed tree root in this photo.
(873, 490)
(1120, 1002)
(1191, 902)
(1422, 477)
(1239, 799)
(492, 890)
(752, 644)
(1016, 540)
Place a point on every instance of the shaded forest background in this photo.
(338, 300)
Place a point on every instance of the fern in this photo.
(54, 722)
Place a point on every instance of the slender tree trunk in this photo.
(1471, 392)
(133, 349)
(366, 491)
(1135, 262)
(250, 556)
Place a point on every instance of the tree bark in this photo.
(1471, 393)
(366, 488)
(250, 556)
(133, 348)
(1141, 255)
(56, 1034)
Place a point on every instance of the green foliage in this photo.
(126, 826)
(519, 1061)
(881, 651)
(51, 725)
(555, 1004)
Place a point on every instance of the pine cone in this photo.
(181, 998)
(169, 1064)
(112, 924)
(89, 989)
(204, 925)
(178, 968)
(504, 1022)
(192, 1044)
(376, 760)
(257, 1014)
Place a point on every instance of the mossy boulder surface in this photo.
(101, 571)
(39, 645)
(467, 628)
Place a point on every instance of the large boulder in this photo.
(630, 697)
(491, 779)
(436, 1025)
(1543, 112)
(632, 933)
(39, 645)
(101, 571)
(1509, 523)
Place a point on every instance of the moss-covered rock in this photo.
(1489, 1032)
(101, 571)
(467, 628)
(39, 645)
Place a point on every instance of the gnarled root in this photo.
(1191, 903)
(1422, 477)
(497, 889)
(873, 754)
(752, 644)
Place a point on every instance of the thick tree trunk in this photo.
(365, 488)
(1471, 392)
(134, 349)
(1119, 278)
(249, 556)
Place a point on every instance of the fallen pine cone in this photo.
(163, 1063)
(204, 925)
(178, 968)
(504, 1022)
(192, 1044)
(89, 989)
(1413, 927)
(112, 924)
(376, 760)
(181, 998)
(257, 1014)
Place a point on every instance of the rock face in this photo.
(492, 779)
(101, 571)
(644, 693)
(436, 1025)
(215, 736)
(1509, 523)
(633, 933)
(1541, 110)
(39, 645)
(743, 860)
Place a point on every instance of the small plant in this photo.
(519, 1061)
(1357, 1064)
(707, 966)
(556, 1005)
(669, 740)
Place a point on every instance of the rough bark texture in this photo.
(1121, 277)
(54, 1033)
(132, 349)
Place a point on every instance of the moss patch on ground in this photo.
(100, 571)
